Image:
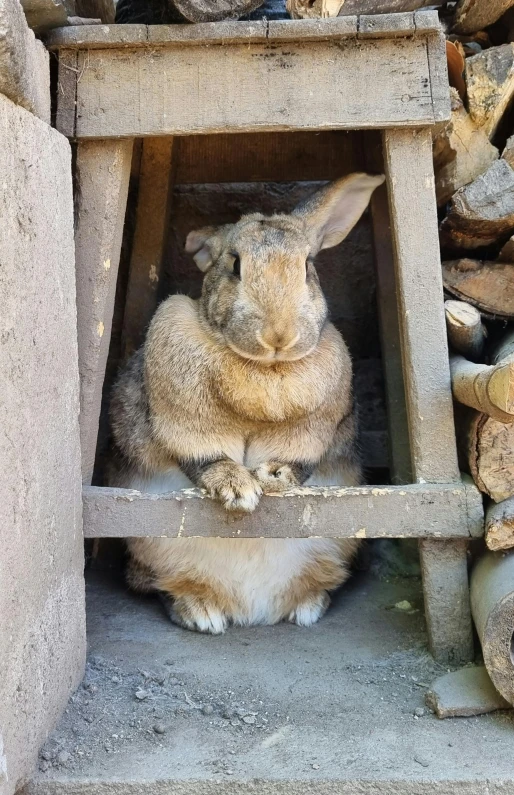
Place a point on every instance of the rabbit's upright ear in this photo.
(335, 209)
(197, 244)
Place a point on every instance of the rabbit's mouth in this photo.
(273, 355)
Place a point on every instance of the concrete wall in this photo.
(42, 623)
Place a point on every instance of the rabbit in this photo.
(245, 391)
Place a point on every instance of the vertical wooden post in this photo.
(102, 175)
(433, 452)
(152, 217)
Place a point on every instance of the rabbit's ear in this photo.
(197, 244)
(334, 210)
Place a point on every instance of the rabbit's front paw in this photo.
(233, 485)
(311, 610)
(194, 614)
(275, 477)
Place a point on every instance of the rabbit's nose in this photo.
(278, 340)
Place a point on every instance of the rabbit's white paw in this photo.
(275, 477)
(198, 617)
(310, 611)
(233, 485)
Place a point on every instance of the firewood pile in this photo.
(474, 173)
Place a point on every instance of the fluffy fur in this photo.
(246, 391)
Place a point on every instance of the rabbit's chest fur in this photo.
(196, 386)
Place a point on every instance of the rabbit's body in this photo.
(247, 390)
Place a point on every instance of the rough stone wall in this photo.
(42, 621)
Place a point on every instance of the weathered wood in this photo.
(382, 7)
(486, 447)
(24, 67)
(499, 525)
(210, 10)
(312, 9)
(408, 160)
(266, 157)
(490, 85)
(486, 285)
(466, 332)
(492, 601)
(387, 306)
(276, 92)
(473, 15)
(489, 389)
(440, 511)
(462, 152)
(152, 217)
(103, 170)
(67, 92)
(445, 586)
(481, 213)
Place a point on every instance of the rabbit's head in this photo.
(261, 293)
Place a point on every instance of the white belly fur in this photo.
(256, 571)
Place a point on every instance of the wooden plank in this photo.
(445, 586)
(230, 32)
(67, 92)
(410, 180)
(169, 90)
(446, 510)
(103, 169)
(152, 217)
(399, 446)
(266, 157)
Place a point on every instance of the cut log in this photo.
(308, 9)
(486, 285)
(473, 15)
(466, 333)
(492, 604)
(461, 152)
(490, 85)
(489, 389)
(482, 213)
(499, 525)
(486, 451)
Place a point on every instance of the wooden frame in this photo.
(167, 74)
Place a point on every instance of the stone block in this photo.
(24, 62)
(42, 616)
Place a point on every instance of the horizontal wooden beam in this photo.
(421, 23)
(415, 511)
(141, 81)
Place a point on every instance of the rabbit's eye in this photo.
(236, 267)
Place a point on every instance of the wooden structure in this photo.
(385, 74)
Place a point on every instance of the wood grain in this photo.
(152, 218)
(103, 169)
(449, 510)
(168, 90)
(486, 285)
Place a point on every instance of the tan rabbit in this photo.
(245, 391)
